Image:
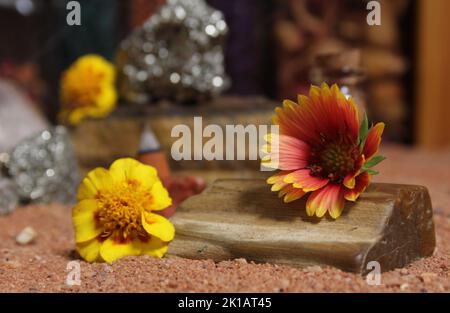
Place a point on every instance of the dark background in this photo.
(39, 46)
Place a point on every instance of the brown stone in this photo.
(238, 218)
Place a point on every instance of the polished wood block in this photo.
(242, 218)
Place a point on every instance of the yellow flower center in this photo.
(119, 211)
(334, 160)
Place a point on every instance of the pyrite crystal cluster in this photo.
(41, 168)
(177, 54)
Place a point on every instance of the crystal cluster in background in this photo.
(9, 198)
(42, 168)
(177, 54)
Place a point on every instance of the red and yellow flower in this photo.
(115, 215)
(322, 149)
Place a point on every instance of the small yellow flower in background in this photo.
(87, 89)
(114, 216)
(324, 150)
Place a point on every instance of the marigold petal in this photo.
(160, 197)
(302, 179)
(373, 141)
(361, 183)
(89, 250)
(74, 117)
(130, 169)
(158, 226)
(94, 181)
(105, 102)
(86, 190)
(98, 64)
(112, 250)
(155, 247)
(87, 89)
(83, 217)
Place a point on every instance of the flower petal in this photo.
(105, 102)
(83, 217)
(337, 204)
(94, 181)
(89, 250)
(361, 183)
(155, 247)
(286, 153)
(75, 116)
(130, 169)
(160, 197)
(349, 180)
(325, 113)
(86, 190)
(112, 250)
(87, 89)
(330, 198)
(277, 180)
(302, 179)
(291, 194)
(373, 141)
(293, 123)
(158, 226)
(97, 64)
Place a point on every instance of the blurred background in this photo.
(273, 50)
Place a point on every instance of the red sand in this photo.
(41, 266)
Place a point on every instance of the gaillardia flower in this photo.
(322, 149)
(114, 215)
(87, 89)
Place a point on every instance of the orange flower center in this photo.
(120, 209)
(334, 160)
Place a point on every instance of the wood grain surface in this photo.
(241, 218)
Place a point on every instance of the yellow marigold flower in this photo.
(87, 89)
(114, 216)
(322, 149)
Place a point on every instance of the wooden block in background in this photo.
(99, 142)
(239, 218)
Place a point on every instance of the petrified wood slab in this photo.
(237, 218)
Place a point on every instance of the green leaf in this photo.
(363, 131)
(372, 172)
(373, 161)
